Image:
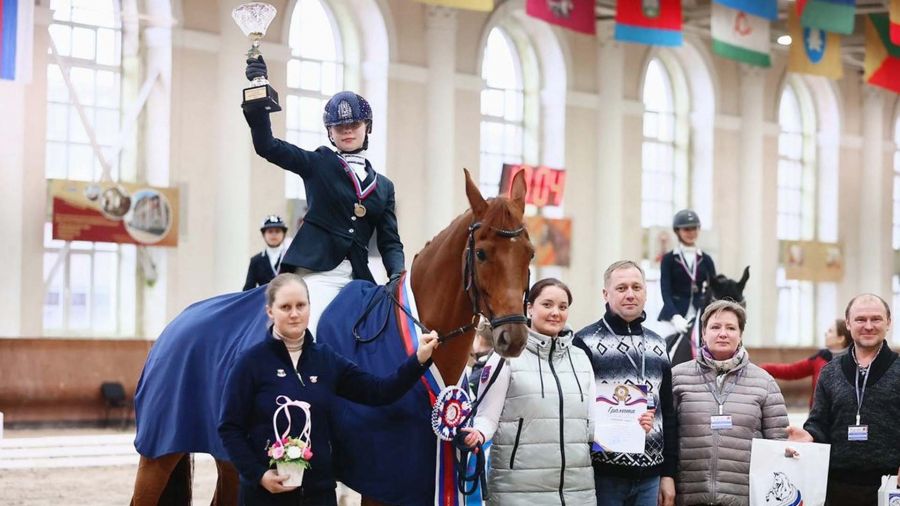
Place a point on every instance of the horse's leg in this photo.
(226, 485)
(152, 478)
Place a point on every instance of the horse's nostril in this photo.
(502, 340)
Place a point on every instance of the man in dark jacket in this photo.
(856, 408)
(622, 351)
(264, 266)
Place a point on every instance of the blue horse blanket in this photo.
(178, 395)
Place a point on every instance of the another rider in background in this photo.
(264, 266)
(348, 200)
(684, 274)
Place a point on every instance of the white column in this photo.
(609, 183)
(752, 184)
(440, 105)
(234, 154)
(875, 240)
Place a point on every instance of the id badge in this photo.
(858, 433)
(720, 422)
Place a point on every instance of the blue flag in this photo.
(762, 8)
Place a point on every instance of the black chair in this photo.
(113, 393)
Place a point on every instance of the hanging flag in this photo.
(882, 63)
(829, 15)
(763, 8)
(654, 22)
(895, 21)
(16, 34)
(740, 36)
(813, 51)
(468, 5)
(576, 15)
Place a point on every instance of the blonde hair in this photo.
(279, 281)
(720, 306)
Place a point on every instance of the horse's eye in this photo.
(482, 256)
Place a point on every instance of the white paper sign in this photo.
(616, 428)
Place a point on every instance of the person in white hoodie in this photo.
(537, 409)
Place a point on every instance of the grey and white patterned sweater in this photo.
(609, 342)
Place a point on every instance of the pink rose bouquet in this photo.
(290, 449)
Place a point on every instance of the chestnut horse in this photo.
(477, 266)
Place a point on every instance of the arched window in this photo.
(796, 209)
(502, 109)
(664, 163)
(314, 73)
(895, 279)
(89, 287)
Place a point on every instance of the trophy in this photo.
(253, 19)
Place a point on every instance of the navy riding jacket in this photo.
(261, 374)
(676, 285)
(331, 231)
(260, 271)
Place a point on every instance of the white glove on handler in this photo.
(680, 324)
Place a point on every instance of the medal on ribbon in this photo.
(451, 412)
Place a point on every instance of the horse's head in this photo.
(723, 288)
(496, 264)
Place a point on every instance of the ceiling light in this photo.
(784, 40)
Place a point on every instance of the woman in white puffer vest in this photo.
(537, 410)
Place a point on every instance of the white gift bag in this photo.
(889, 493)
(776, 480)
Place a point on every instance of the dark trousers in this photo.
(846, 494)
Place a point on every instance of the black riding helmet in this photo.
(686, 218)
(273, 221)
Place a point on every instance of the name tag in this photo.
(720, 422)
(858, 433)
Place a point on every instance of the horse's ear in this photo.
(476, 201)
(744, 278)
(518, 190)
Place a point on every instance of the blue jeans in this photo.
(615, 491)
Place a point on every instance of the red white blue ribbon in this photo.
(445, 491)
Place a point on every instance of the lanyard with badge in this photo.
(640, 348)
(721, 421)
(859, 432)
(692, 273)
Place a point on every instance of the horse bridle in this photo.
(470, 286)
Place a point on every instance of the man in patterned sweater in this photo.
(623, 351)
(857, 406)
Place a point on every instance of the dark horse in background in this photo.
(683, 347)
(478, 265)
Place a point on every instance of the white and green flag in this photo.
(740, 36)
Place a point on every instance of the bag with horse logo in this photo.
(889, 493)
(776, 480)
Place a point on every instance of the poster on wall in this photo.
(552, 240)
(812, 261)
(123, 213)
(545, 185)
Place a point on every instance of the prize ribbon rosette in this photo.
(452, 410)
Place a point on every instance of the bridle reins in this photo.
(470, 286)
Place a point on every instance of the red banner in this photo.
(576, 15)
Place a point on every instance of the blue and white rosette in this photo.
(451, 412)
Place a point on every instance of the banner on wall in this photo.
(576, 15)
(895, 21)
(813, 51)
(469, 5)
(16, 34)
(830, 15)
(761, 8)
(738, 35)
(114, 212)
(552, 240)
(654, 22)
(882, 63)
(812, 261)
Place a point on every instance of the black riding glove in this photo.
(256, 67)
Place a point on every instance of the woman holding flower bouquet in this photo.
(286, 369)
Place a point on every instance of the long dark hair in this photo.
(840, 326)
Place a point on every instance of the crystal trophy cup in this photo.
(253, 19)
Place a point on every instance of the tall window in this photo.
(796, 210)
(502, 110)
(664, 165)
(315, 72)
(895, 279)
(89, 287)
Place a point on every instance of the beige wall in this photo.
(226, 188)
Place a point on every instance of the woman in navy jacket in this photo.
(684, 274)
(290, 363)
(347, 200)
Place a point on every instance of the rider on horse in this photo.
(684, 274)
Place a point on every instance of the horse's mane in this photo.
(501, 213)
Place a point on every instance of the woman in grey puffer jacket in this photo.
(537, 411)
(723, 402)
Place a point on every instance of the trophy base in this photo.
(261, 98)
